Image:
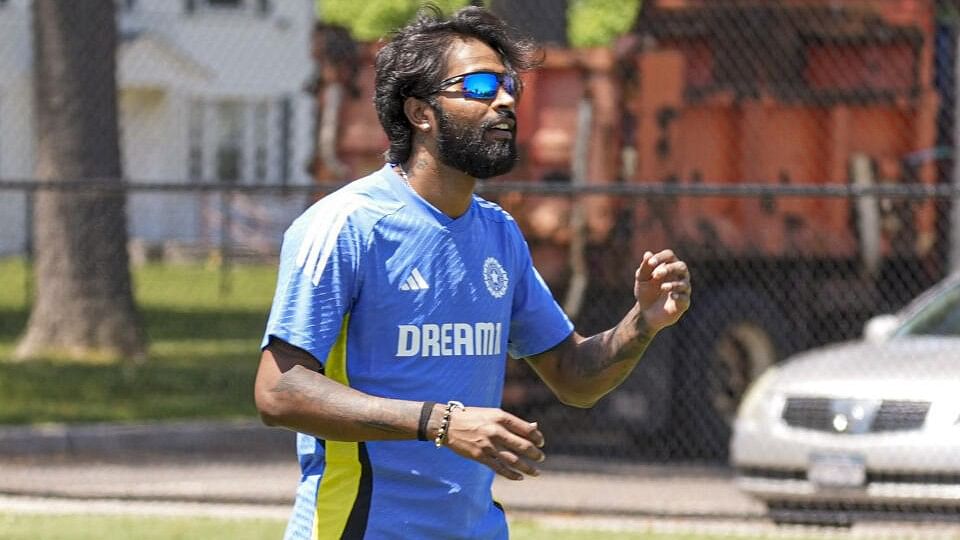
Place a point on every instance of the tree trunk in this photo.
(84, 302)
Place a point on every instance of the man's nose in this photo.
(504, 100)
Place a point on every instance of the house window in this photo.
(285, 153)
(195, 142)
(259, 7)
(234, 141)
(228, 156)
(1, 124)
(261, 141)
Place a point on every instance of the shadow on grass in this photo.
(51, 391)
(12, 323)
(179, 324)
(168, 324)
(201, 365)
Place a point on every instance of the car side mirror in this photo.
(880, 328)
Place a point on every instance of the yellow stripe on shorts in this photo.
(341, 474)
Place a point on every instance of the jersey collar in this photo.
(407, 194)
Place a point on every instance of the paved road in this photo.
(633, 490)
(717, 527)
(256, 465)
(165, 469)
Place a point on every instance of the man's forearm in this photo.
(602, 361)
(589, 368)
(607, 354)
(308, 402)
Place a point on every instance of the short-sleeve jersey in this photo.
(398, 300)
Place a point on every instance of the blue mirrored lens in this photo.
(481, 85)
(510, 85)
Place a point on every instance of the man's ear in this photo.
(420, 114)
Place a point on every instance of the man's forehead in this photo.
(466, 55)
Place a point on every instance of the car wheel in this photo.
(730, 339)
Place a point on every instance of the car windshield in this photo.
(940, 317)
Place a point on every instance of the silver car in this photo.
(865, 426)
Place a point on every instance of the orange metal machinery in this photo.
(746, 91)
(728, 92)
(549, 126)
(732, 92)
(793, 92)
(349, 142)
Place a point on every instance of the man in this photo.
(399, 296)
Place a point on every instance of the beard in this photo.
(464, 148)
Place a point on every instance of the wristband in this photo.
(425, 413)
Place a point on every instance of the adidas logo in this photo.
(415, 282)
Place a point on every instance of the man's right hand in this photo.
(498, 439)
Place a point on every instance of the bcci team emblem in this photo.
(495, 277)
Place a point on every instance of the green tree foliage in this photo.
(368, 20)
(595, 23)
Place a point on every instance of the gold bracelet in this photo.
(441, 437)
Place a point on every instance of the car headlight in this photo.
(756, 401)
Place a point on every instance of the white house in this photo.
(210, 91)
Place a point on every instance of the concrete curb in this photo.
(251, 440)
(232, 439)
(246, 462)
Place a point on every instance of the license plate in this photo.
(837, 470)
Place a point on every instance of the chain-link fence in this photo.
(797, 154)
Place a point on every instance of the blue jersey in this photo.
(398, 300)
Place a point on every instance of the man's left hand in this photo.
(662, 289)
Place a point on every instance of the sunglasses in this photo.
(483, 84)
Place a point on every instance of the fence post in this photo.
(226, 224)
(954, 231)
(579, 279)
(28, 246)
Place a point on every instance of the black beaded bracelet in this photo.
(441, 437)
(425, 413)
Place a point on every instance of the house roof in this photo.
(146, 60)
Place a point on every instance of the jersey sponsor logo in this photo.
(449, 339)
(495, 277)
(414, 282)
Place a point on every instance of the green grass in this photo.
(527, 530)
(532, 530)
(204, 349)
(90, 527)
(96, 527)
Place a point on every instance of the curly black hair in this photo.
(414, 60)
